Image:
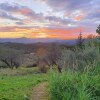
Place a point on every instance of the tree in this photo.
(10, 57)
(80, 41)
(53, 54)
(48, 56)
(67, 60)
(42, 59)
(29, 60)
(98, 30)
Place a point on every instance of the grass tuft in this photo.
(75, 85)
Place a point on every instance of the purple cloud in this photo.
(87, 11)
(90, 7)
(23, 10)
(8, 16)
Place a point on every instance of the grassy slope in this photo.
(18, 84)
(18, 87)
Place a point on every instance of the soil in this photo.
(40, 92)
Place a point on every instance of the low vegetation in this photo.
(18, 86)
(75, 85)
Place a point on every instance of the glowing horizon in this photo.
(63, 19)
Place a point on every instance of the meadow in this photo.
(18, 85)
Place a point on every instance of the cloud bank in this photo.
(65, 17)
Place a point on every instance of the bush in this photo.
(67, 59)
(74, 85)
(79, 59)
(86, 58)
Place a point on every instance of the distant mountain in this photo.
(37, 40)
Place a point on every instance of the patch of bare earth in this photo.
(40, 92)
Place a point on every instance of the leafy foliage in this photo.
(98, 30)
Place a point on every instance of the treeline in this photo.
(14, 55)
(85, 52)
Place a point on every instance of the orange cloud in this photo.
(15, 31)
(79, 17)
(24, 11)
(54, 33)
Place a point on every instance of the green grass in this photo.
(18, 87)
(75, 85)
(17, 84)
(19, 71)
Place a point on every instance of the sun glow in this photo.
(43, 19)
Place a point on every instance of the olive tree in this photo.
(10, 57)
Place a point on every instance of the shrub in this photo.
(74, 86)
(79, 59)
(67, 59)
(86, 58)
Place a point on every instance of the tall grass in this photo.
(75, 85)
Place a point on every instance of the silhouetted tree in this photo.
(98, 30)
(80, 41)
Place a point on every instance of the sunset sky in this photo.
(62, 19)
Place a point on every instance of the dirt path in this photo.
(40, 92)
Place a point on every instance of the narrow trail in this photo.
(40, 92)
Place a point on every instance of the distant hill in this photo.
(37, 40)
